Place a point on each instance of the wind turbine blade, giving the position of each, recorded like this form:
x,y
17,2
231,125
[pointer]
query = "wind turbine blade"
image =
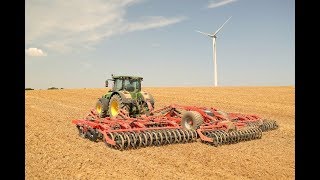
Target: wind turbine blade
x,y
205,33
221,26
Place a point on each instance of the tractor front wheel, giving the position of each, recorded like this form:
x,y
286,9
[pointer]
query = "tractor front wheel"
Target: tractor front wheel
x,y
115,105
102,107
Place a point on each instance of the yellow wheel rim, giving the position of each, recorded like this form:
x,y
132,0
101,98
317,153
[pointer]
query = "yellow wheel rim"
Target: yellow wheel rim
x,y
114,108
99,108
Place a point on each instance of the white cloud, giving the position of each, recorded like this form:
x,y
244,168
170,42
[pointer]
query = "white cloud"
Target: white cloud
x,y
152,22
218,3
61,25
35,52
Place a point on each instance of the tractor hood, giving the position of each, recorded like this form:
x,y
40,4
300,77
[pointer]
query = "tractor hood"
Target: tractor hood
x,y
142,95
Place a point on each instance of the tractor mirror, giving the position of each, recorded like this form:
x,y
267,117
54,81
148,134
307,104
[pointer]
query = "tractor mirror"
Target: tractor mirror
x,y
106,84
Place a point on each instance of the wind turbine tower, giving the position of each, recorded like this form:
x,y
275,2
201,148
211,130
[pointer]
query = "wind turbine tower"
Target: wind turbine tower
x,y
213,36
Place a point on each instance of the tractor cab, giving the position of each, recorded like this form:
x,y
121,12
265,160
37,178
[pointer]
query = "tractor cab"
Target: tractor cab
x,y
126,83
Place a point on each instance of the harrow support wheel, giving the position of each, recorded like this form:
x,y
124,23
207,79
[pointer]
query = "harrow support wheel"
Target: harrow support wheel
x,y
191,120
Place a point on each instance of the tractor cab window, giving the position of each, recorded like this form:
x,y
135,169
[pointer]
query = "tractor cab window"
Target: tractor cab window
x,y
117,85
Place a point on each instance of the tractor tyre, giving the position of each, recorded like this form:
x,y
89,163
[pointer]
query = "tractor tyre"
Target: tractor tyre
x,y
191,120
115,104
102,107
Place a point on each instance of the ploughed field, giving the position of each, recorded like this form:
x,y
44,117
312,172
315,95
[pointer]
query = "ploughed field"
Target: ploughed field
x,y
53,149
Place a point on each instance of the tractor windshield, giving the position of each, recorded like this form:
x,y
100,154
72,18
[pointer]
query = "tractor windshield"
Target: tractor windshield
x,y
132,85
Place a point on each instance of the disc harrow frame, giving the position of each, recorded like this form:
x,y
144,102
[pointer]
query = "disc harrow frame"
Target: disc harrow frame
x,y
212,115
163,128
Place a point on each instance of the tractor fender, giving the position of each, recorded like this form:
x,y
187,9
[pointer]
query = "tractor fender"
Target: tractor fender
x,y
126,97
147,96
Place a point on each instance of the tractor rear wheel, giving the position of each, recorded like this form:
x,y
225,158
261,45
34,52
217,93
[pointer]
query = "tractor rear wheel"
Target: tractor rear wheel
x,y
115,104
191,120
102,107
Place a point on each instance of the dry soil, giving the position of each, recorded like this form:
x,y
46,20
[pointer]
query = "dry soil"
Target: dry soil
x,y
55,151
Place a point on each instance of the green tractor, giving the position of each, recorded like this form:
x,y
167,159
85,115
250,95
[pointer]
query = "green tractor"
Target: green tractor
x,y
125,96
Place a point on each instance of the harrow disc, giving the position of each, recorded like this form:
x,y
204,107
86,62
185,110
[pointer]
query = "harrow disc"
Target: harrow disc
x,y
92,135
81,132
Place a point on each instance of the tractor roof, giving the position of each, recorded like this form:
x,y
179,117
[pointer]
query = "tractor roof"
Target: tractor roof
x,y
127,77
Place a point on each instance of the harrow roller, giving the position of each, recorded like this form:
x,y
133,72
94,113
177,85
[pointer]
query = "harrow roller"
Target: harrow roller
x,y
178,135
144,139
268,125
132,140
265,125
119,140
166,140
221,137
170,137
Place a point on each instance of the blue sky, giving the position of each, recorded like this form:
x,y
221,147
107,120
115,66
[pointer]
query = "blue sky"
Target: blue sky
x,y
80,43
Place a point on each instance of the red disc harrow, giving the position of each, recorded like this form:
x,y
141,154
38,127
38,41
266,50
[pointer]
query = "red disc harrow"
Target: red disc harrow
x,y
173,124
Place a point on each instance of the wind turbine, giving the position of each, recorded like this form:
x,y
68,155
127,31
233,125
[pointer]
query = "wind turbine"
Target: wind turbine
x,y
214,43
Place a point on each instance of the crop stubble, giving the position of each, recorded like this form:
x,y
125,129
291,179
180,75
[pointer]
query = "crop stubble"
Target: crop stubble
x,y
55,151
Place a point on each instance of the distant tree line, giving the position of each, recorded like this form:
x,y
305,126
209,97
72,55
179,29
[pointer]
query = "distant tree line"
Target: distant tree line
x,y
54,88
51,88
